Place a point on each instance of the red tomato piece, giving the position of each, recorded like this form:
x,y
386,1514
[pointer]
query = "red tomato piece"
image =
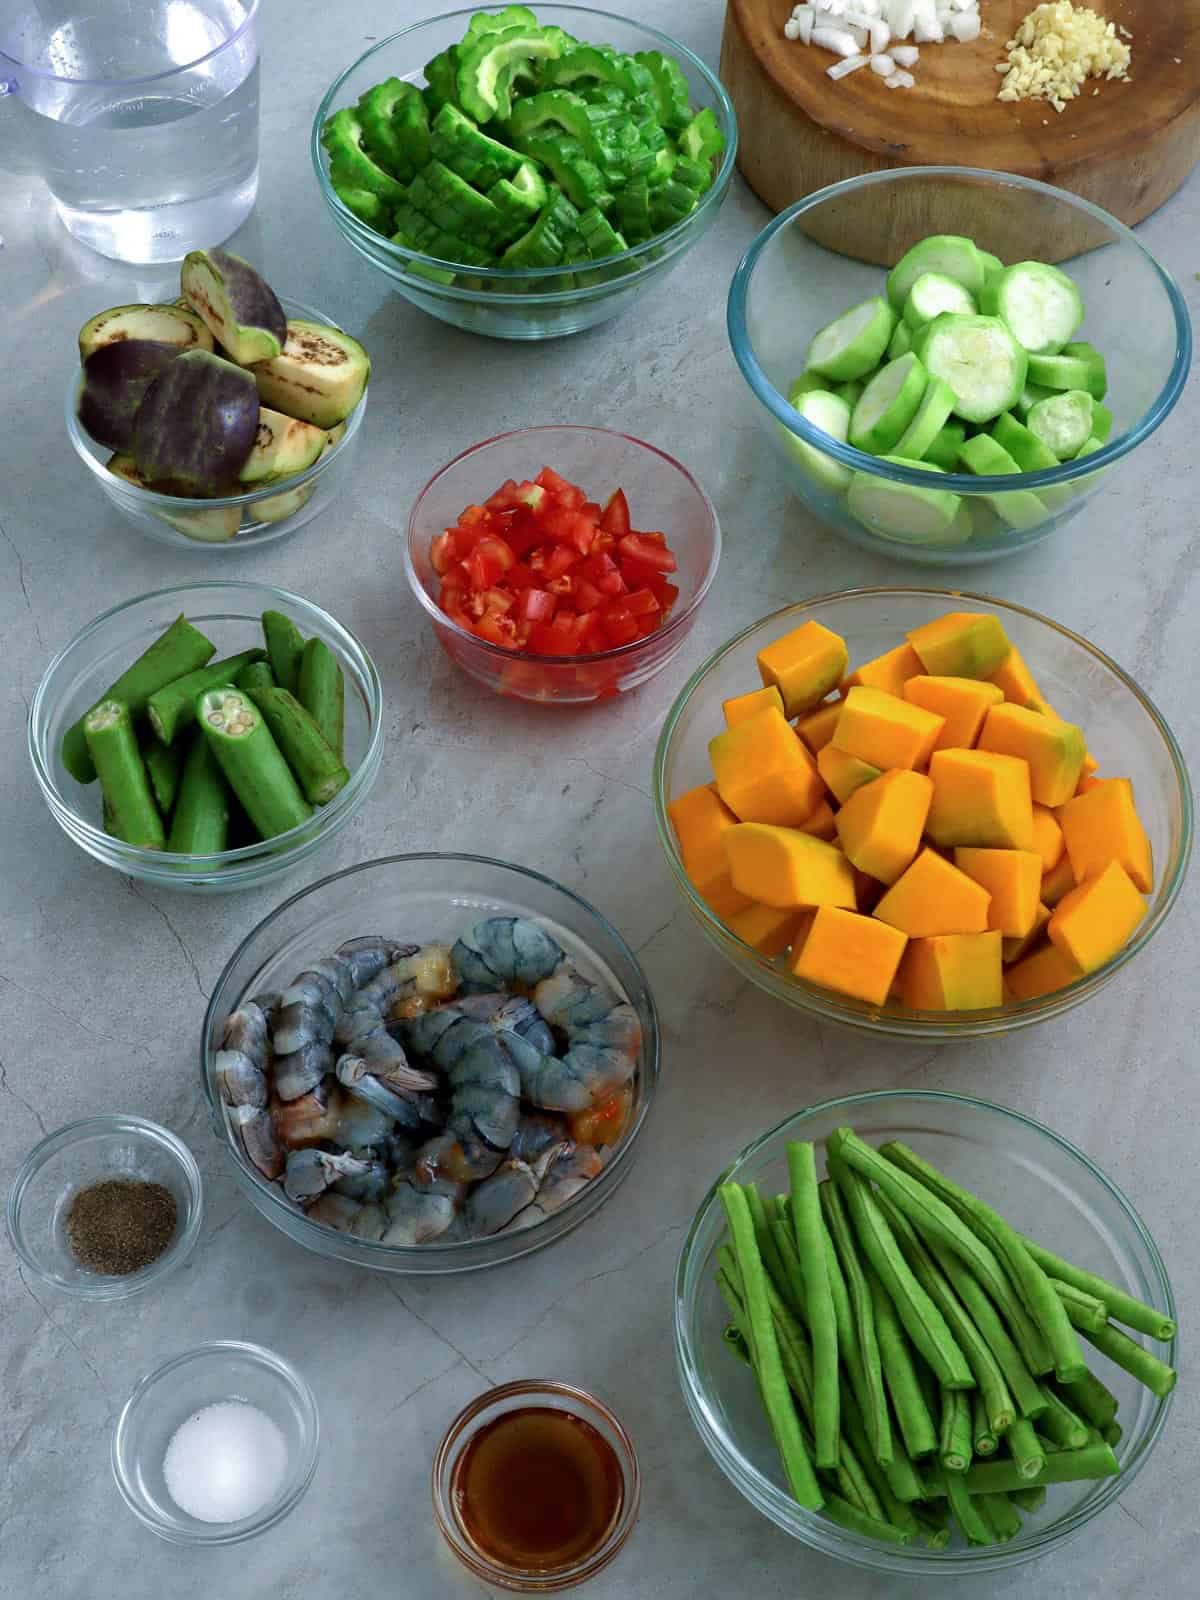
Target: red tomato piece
x,y
591,509
562,587
523,531
646,548
538,605
567,494
667,594
488,562
571,528
643,603
614,518
619,624
603,571
499,630
497,600
587,596
443,550
552,561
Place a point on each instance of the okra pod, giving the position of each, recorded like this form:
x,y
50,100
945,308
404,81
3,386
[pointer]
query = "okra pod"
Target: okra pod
x,y
1122,1307
1025,1448
873,1400
181,648
954,1444
317,766
1134,1358
252,762
163,766
285,646
172,708
256,675
112,746
900,1376
321,690
809,1231
200,824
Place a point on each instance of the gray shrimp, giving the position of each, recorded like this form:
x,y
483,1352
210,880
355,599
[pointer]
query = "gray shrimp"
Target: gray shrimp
x,y
246,1029
334,1210
371,1223
401,1092
504,950
372,1184
571,1170
301,1070
603,1036
241,1062
419,1212
257,1134
311,1171
358,1124
367,956
312,1118
362,1028
479,1060
492,1204
536,1131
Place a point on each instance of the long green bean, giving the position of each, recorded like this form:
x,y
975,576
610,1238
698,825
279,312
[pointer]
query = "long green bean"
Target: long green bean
x,y
954,1448
1021,1382
895,1509
847,1516
900,1375
1025,1448
935,1529
767,1247
1122,1307
1095,1460
874,1405
976,1529
1029,1499
983,1439
1084,1310
1094,1400
1113,1434
792,1286
809,1230
1059,1423
1003,1516
1134,1358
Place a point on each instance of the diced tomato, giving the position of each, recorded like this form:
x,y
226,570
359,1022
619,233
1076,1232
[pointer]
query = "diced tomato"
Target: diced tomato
x,y
443,551
614,518
497,600
489,561
505,497
645,547
537,605
643,603
603,571
552,561
571,528
473,517
667,594
567,494
520,576
587,596
619,624
497,630
563,587
591,510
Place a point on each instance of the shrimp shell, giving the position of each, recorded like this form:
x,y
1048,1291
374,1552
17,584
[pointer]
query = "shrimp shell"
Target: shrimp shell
x,y
311,1171
295,1074
257,1135
504,950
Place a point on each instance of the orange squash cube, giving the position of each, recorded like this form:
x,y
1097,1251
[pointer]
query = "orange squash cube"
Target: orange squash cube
x,y
843,774
1047,837
1043,972
980,798
1013,878
1089,925
700,818
850,954
1015,680
763,771
816,729
783,867
1053,748
881,824
1102,825
963,702
822,824
742,706
1014,949
1060,880
889,672
867,891
804,666
932,897
767,929
961,644
952,972
886,731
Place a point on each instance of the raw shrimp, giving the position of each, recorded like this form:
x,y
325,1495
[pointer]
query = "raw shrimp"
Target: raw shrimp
x,y
257,1135
420,1211
478,1058
311,1118
334,1210
371,1184
492,1204
504,950
536,1131
301,1070
400,1091
310,1172
572,1170
241,1069
366,957
362,1028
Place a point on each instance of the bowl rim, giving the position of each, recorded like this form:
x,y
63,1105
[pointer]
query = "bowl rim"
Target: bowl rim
x,y
118,489
746,1477
461,1253
675,622
954,482
893,1019
246,1527
249,9
112,1123
353,227
274,852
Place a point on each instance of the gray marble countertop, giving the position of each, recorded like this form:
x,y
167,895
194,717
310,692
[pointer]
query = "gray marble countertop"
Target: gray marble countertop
x,y
103,982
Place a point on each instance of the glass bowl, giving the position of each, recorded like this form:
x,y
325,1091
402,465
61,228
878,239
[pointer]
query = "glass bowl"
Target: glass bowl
x,y
230,613
544,302
225,1369
232,521
826,252
93,1151
1044,1186
1125,732
662,495
546,1394
426,897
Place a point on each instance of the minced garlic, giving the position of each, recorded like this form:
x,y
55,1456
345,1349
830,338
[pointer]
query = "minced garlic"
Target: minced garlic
x,y
1056,49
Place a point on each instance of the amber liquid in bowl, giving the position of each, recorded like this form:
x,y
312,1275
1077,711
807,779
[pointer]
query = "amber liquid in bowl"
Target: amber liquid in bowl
x,y
538,1489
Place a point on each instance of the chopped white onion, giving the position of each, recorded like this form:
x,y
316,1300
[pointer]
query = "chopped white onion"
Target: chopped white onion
x,y
905,55
929,32
840,40
862,31
881,36
900,80
966,26
900,15
883,65
848,64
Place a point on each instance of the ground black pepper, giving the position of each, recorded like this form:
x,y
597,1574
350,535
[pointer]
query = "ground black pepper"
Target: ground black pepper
x,y
120,1225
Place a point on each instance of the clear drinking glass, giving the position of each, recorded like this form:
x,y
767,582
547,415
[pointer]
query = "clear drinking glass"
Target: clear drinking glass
x,y
140,115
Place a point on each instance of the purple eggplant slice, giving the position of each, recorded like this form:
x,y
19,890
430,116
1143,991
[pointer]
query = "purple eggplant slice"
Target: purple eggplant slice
x,y
213,526
238,306
196,426
283,447
115,380
168,324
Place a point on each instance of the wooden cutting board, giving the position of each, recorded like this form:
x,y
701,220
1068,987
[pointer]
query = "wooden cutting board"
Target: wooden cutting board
x,y
1126,148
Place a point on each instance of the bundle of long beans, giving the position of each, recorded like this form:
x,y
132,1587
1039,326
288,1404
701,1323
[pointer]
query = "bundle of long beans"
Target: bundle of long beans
x,y
918,1359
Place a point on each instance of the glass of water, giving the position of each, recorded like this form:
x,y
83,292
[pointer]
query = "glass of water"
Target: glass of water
x,y
141,116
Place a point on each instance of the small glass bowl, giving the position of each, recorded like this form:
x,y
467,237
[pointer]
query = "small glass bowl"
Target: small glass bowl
x,y
663,496
832,248
75,1157
542,302
1125,732
1041,1184
231,521
552,1395
230,613
225,1369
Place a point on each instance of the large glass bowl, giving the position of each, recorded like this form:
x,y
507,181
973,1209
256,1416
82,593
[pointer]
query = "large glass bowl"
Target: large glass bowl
x,y
1041,1184
426,898
803,270
1125,733
231,521
230,614
662,496
539,303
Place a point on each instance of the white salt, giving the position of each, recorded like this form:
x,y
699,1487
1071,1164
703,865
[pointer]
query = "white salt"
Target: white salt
x,y
225,1462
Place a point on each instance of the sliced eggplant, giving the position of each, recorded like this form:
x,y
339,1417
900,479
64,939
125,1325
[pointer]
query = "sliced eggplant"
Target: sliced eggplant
x,y
196,426
115,380
170,324
283,447
278,507
318,376
238,305
213,526
336,435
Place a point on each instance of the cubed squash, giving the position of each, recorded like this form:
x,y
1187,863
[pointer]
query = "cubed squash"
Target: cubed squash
x,y
1102,825
886,731
742,706
1091,923
1054,749
805,665
784,867
822,823
1041,973
933,896
952,972
767,929
881,824
1015,680
763,771
1087,783
1013,878
816,729
1047,837
961,644
963,702
867,891
889,672
1015,949
851,954
1060,880
843,774
980,798
700,817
